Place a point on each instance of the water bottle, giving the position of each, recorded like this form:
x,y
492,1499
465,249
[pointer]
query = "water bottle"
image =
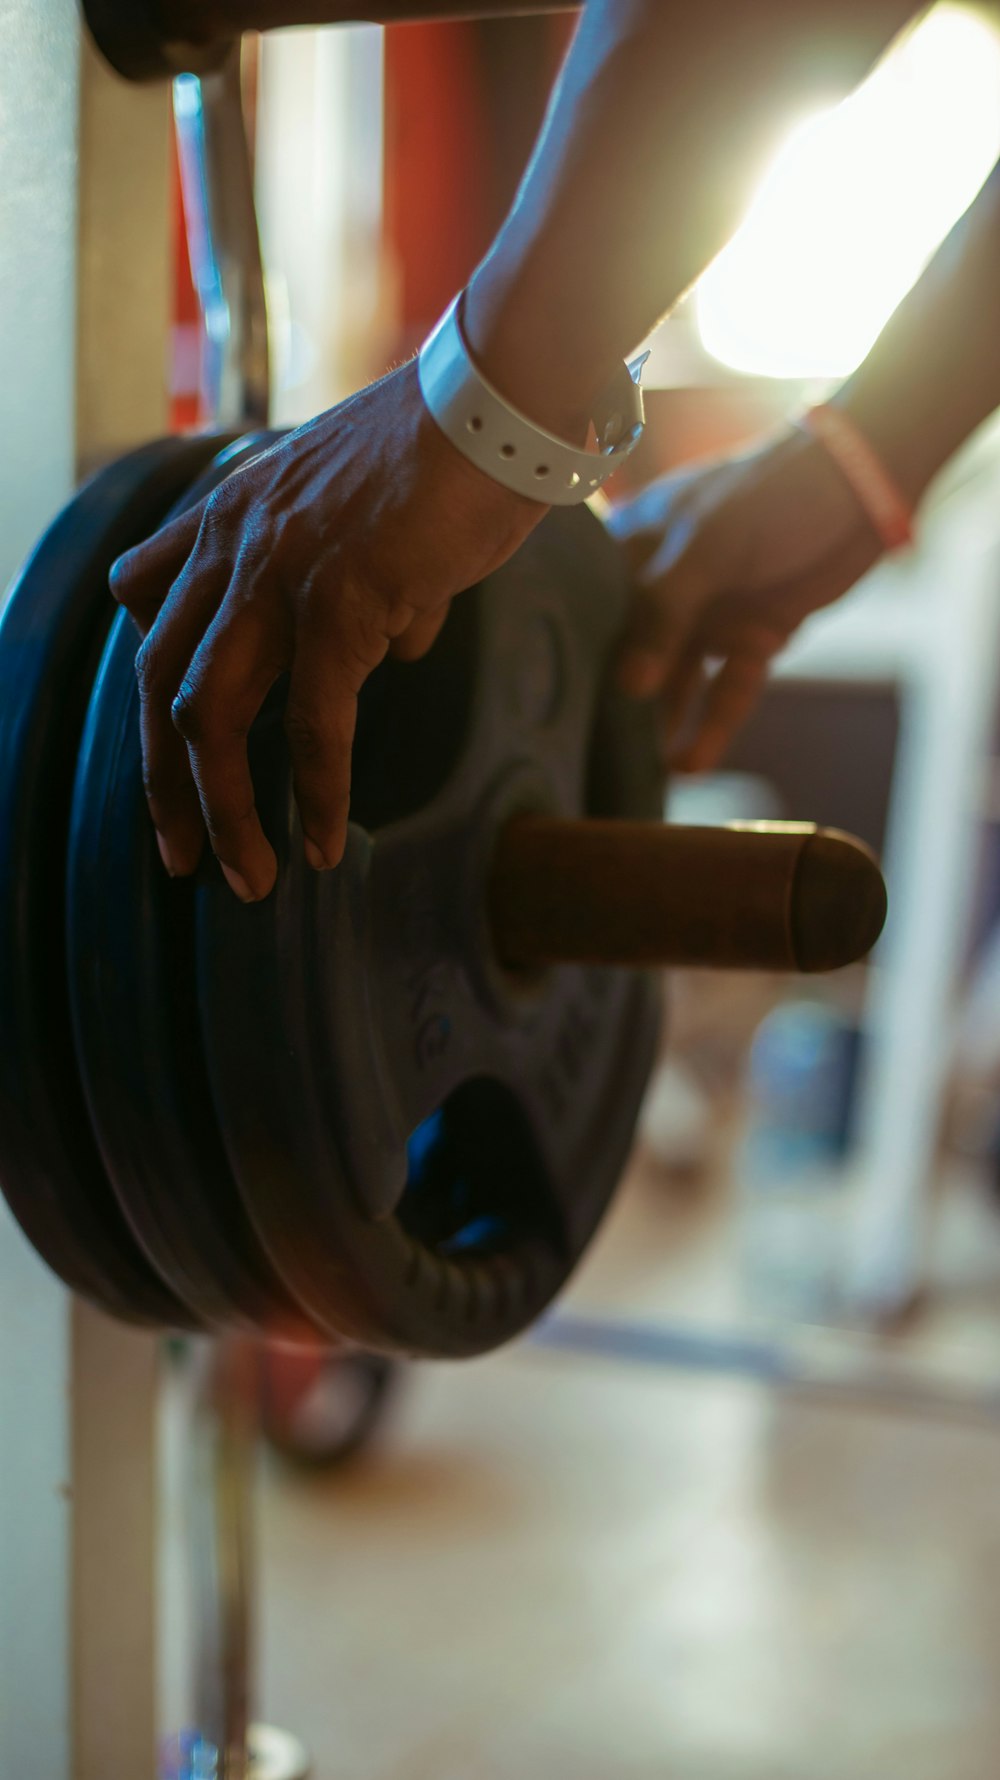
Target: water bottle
x,y
800,1078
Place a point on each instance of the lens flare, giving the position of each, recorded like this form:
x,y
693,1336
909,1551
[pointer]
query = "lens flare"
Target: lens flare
x,y
855,204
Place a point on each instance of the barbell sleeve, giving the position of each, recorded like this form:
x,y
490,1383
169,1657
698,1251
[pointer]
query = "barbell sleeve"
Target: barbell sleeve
x,y
201,19
749,896
156,39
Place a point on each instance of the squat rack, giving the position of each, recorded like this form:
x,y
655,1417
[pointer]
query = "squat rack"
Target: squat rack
x,y
84,216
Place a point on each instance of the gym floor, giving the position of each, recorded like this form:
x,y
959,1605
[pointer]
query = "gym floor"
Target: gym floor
x,y
561,1567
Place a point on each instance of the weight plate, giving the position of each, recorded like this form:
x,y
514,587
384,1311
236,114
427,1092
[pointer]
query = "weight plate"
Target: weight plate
x,y
135,1015
425,1144
54,622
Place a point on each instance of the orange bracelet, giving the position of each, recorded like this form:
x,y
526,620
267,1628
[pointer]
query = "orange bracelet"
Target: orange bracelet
x,y
880,496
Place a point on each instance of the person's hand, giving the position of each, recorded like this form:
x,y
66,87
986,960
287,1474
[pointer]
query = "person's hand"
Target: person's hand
x,y
346,539
729,558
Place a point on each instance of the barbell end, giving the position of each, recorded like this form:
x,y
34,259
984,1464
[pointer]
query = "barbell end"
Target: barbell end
x,y
839,902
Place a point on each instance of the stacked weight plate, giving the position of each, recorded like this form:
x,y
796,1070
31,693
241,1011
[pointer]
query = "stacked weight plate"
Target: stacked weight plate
x,y
53,628
332,1109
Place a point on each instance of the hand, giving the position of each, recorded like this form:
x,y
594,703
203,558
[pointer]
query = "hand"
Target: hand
x,y
346,539
730,557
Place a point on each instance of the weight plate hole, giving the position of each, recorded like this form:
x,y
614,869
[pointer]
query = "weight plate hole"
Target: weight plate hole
x,y
476,1185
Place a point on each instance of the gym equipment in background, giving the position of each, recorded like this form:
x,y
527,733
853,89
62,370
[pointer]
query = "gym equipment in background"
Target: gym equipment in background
x,y
390,1103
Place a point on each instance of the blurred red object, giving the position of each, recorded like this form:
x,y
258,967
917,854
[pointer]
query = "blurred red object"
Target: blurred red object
x,y
463,104
185,329
319,1407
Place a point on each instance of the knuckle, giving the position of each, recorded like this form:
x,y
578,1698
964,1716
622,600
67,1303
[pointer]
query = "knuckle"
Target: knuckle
x,y
147,668
226,824
368,619
216,506
375,618
122,579
310,740
209,541
359,662
189,712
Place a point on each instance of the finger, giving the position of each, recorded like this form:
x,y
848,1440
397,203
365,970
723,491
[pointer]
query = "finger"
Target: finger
x,y
680,696
728,702
232,671
331,663
691,685
648,650
638,539
161,663
732,631
668,600
166,775
141,579
415,641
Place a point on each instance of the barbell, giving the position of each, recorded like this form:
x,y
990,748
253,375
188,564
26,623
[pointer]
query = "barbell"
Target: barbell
x,y
389,1104
155,39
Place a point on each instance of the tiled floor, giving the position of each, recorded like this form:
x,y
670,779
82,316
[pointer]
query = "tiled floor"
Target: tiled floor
x,y
559,1568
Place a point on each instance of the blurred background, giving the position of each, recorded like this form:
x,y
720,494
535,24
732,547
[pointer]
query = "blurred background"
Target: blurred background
x,y
732,1511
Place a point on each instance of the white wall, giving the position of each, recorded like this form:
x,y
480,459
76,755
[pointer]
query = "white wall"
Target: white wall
x,y
319,194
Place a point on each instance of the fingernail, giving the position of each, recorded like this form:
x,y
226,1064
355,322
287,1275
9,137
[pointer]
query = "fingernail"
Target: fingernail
x,y
316,859
237,884
640,674
165,854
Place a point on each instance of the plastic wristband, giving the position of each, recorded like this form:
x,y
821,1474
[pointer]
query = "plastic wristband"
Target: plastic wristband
x,y
878,493
508,446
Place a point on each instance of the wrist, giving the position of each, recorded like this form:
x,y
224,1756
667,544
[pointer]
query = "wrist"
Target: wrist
x,y
887,507
517,338
904,438
504,440
464,479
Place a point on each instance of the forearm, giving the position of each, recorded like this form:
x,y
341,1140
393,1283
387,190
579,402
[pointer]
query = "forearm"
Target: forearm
x,y
663,119
934,372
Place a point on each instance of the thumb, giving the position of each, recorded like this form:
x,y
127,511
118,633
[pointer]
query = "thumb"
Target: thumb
x,y
729,700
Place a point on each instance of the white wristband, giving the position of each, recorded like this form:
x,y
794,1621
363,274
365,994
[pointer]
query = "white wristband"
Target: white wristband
x,y
505,443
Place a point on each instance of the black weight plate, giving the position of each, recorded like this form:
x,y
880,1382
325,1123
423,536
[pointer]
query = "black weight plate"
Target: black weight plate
x,y
54,623
133,995
425,1146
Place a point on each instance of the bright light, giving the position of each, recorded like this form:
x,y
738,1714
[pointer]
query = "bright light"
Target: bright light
x,y
855,205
